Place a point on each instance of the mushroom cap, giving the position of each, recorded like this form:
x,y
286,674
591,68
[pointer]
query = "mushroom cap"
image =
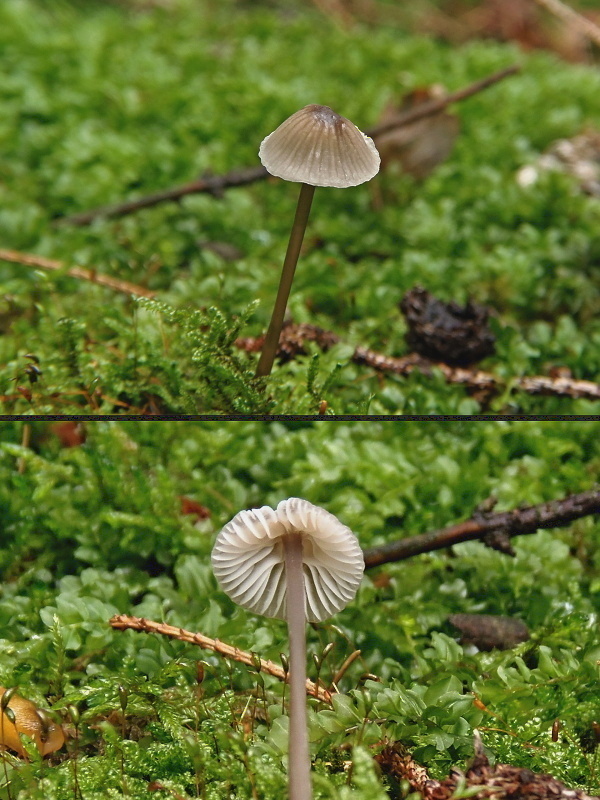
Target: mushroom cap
x,y
248,559
317,146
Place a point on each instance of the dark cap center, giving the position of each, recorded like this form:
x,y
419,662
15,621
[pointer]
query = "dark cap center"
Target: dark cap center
x,y
326,115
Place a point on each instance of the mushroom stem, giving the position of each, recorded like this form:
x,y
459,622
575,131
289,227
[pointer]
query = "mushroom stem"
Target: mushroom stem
x,y
298,756
269,348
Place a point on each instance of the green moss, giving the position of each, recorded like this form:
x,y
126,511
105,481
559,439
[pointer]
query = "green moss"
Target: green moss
x,y
98,529
103,103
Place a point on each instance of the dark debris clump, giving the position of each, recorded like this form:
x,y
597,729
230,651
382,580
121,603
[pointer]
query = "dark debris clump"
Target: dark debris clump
x,y
448,332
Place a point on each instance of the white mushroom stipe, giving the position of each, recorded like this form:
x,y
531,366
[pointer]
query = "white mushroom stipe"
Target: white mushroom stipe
x,y
248,559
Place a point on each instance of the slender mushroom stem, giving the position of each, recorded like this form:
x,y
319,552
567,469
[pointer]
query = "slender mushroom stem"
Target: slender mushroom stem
x,y
269,349
299,756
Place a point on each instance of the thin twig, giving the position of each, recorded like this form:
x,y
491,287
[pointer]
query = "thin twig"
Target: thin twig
x,y
344,668
126,622
583,24
32,260
214,185
435,106
25,442
395,759
293,337
240,177
476,379
518,522
335,10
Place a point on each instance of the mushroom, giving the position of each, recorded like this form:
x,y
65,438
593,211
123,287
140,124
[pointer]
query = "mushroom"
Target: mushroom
x,y
314,147
296,562
21,716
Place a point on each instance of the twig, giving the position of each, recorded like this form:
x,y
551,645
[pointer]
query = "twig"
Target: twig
x,y
25,442
240,177
335,10
518,522
476,379
344,668
501,781
214,185
435,106
31,260
396,760
293,336
125,622
583,24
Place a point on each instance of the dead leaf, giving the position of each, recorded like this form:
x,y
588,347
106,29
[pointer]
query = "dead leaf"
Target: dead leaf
x,y
422,145
189,506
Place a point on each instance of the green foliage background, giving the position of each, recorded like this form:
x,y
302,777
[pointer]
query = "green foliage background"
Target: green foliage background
x,y
108,101
95,530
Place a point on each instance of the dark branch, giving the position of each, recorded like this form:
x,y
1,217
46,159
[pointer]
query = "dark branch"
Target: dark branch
x,y
518,522
215,184
435,106
240,177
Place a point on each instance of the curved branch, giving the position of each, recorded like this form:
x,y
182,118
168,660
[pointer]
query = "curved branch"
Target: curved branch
x,y
39,262
483,525
122,622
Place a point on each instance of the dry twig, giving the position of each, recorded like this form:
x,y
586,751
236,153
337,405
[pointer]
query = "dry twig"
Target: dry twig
x,y
39,262
486,525
567,14
293,336
476,379
481,780
216,184
123,622
395,759
439,104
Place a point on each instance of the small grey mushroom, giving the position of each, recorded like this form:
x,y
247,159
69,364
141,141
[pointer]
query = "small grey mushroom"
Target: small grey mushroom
x,y
317,146
296,562
314,147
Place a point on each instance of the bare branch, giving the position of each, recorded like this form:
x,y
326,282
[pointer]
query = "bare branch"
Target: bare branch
x,y
518,522
212,185
500,781
240,177
395,759
476,379
568,15
123,622
435,106
294,336
32,260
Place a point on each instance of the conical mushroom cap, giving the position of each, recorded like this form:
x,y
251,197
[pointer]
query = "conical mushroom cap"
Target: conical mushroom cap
x,y
248,559
317,146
